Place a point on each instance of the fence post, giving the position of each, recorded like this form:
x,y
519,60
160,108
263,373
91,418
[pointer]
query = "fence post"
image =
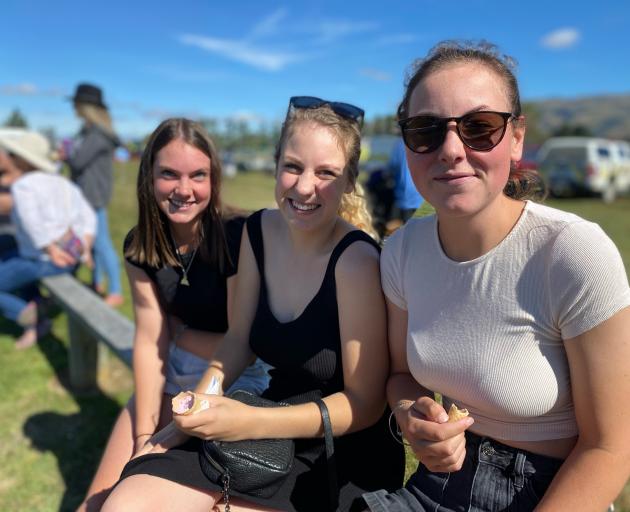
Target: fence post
x,y
82,357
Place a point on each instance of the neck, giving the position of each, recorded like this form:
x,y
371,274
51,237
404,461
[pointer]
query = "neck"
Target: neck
x,y
312,242
184,236
468,238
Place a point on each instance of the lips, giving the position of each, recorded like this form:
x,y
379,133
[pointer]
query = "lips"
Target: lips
x,y
181,204
303,207
454,178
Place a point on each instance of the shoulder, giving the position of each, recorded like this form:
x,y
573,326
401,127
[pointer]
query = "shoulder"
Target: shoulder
x,y
233,227
569,234
413,235
361,255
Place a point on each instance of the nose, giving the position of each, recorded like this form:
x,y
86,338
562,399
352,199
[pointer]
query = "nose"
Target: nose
x,y
305,183
452,149
183,187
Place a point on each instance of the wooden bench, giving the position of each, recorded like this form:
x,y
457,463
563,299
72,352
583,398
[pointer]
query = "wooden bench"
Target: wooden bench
x,y
90,320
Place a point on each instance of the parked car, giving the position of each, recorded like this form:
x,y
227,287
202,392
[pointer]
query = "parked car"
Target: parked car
x,y
574,165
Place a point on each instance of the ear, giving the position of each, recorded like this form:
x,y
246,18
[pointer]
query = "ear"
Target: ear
x,y
518,138
349,187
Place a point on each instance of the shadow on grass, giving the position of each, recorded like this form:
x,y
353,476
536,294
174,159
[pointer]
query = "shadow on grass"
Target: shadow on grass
x,y
77,440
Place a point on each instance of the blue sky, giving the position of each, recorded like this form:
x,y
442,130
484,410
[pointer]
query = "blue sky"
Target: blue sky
x,y
245,59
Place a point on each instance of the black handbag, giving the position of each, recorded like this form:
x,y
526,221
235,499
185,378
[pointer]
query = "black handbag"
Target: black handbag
x,y
256,467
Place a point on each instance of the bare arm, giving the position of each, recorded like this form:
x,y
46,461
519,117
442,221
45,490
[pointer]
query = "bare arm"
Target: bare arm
x,y
365,365
6,203
150,350
439,445
599,465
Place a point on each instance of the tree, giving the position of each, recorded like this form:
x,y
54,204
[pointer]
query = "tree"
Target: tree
x,y
16,120
576,130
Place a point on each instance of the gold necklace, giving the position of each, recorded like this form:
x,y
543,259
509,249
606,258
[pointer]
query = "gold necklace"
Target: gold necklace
x,y
185,268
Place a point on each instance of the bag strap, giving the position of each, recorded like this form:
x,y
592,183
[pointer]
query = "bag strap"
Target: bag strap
x,y
333,490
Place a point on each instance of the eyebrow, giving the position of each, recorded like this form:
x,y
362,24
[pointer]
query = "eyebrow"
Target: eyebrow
x,y
478,108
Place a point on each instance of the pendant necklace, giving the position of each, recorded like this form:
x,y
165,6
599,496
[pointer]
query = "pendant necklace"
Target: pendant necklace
x,y
185,268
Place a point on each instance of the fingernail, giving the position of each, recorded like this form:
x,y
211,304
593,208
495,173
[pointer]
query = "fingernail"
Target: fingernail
x,y
442,418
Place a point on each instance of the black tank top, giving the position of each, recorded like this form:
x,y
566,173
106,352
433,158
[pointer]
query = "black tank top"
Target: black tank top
x,y
305,352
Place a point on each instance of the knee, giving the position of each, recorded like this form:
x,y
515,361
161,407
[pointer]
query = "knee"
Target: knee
x,y
124,498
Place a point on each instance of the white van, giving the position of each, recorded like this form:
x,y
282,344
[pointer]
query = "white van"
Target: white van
x,y
574,165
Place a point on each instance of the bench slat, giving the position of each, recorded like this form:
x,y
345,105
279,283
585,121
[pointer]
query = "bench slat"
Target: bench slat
x,y
88,310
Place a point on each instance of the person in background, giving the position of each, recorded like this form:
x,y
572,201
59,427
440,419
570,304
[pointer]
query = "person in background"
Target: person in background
x,y
181,259
90,159
54,226
407,199
8,244
510,309
324,334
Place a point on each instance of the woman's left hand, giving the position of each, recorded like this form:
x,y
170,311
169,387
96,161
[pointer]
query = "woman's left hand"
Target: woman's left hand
x,y
225,419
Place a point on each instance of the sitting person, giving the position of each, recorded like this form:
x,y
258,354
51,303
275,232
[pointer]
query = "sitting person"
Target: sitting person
x,y
310,304
54,226
515,311
181,260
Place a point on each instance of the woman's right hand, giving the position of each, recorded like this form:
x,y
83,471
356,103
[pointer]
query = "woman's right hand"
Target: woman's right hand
x,y
161,441
436,443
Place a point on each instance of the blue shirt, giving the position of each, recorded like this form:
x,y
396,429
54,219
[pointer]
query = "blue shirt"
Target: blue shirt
x,y
406,196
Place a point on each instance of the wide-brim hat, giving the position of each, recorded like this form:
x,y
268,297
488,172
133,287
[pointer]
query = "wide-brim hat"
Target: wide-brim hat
x,y
88,93
31,146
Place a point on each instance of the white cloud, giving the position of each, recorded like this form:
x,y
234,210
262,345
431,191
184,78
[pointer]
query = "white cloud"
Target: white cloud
x,y
329,31
29,89
561,38
395,39
268,25
375,74
242,51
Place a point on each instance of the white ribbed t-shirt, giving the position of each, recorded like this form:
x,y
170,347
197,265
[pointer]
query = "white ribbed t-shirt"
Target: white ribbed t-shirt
x,y
488,333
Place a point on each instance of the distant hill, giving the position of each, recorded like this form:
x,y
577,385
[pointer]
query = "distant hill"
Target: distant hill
x,y
604,116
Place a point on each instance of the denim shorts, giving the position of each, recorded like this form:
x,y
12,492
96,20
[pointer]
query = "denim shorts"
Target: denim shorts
x,y
184,370
494,477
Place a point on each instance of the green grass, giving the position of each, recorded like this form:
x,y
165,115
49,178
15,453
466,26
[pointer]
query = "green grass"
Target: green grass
x,y
51,438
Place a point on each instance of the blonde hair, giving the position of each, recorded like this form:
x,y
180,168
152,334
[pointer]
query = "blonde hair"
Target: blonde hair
x,y
353,207
95,115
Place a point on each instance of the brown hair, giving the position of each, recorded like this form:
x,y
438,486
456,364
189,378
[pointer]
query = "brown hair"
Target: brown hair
x,y
151,241
353,207
522,183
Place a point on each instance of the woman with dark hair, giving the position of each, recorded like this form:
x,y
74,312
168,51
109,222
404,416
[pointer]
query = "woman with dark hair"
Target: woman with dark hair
x,y
90,159
515,311
181,260
324,335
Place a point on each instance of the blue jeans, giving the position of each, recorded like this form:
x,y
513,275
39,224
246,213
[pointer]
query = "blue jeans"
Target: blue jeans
x,y
105,257
494,477
184,370
18,273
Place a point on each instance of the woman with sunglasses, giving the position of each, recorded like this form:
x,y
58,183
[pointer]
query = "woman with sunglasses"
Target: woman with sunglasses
x,y
310,304
181,260
512,310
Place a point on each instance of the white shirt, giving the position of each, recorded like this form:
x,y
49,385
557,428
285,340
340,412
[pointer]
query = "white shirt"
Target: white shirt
x,y
45,206
489,333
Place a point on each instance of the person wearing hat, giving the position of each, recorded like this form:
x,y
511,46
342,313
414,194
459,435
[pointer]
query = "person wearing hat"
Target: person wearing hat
x,y
54,225
90,159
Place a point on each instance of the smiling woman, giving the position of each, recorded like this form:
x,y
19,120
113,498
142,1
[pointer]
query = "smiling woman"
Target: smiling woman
x,y
181,260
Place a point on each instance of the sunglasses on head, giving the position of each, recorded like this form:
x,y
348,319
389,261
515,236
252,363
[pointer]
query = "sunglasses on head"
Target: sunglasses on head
x,y
342,109
480,131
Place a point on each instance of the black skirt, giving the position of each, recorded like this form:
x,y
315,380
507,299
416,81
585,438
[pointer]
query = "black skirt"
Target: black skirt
x,y
366,461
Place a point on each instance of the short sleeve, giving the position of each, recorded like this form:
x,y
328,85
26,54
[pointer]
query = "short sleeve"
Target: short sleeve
x,y
587,279
233,234
391,269
126,245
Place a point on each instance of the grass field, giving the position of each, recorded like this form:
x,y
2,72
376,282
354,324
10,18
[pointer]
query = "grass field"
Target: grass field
x,y
51,438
